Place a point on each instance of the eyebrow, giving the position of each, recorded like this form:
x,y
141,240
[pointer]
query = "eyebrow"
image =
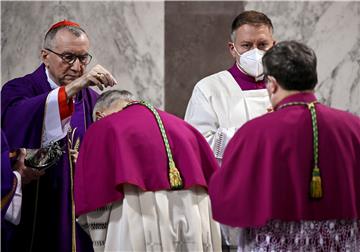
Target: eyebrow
x,y
264,40
67,52
245,42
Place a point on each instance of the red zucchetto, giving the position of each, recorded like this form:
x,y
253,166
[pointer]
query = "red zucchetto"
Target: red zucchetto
x,y
64,23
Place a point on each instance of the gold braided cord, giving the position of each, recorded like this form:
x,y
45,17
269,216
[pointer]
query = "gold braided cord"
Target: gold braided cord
x,y
174,174
316,191
71,164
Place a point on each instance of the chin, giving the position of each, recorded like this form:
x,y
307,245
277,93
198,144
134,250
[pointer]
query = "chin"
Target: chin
x,y
68,80
65,82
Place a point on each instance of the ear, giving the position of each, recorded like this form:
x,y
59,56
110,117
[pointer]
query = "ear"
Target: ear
x,y
231,47
272,84
99,115
44,57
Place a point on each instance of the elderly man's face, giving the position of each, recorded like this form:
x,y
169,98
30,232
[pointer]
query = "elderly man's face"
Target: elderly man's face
x,y
248,37
61,72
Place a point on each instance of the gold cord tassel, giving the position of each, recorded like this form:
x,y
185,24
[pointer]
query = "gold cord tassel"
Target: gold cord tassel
x,y
174,176
315,186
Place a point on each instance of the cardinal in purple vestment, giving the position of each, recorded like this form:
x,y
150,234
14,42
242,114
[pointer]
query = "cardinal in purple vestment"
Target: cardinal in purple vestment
x,y
53,105
290,178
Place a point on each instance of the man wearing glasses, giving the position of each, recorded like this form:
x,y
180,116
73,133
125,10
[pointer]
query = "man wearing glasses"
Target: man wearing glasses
x,y
53,106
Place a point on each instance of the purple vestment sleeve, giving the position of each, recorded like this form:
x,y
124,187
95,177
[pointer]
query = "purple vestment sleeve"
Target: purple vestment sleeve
x,y
22,109
23,106
8,181
267,166
7,176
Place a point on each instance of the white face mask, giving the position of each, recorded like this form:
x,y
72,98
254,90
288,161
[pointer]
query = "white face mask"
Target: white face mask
x,y
250,62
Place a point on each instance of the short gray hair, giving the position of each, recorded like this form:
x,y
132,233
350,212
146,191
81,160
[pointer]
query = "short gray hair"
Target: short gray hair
x,y
49,37
108,98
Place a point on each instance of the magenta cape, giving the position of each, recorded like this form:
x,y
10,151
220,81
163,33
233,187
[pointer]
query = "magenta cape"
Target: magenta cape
x,y
127,147
266,169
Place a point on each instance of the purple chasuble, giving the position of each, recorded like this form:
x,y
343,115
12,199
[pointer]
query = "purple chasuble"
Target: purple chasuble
x,y
7,191
127,147
267,167
23,106
245,82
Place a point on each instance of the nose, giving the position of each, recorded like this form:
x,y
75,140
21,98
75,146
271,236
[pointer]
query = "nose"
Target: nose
x,y
77,66
253,47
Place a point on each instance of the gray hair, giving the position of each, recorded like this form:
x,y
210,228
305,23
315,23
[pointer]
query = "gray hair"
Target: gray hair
x,y
108,98
49,37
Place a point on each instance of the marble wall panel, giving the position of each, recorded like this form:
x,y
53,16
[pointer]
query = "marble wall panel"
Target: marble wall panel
x,y
196,37
127,38
153,45
332,29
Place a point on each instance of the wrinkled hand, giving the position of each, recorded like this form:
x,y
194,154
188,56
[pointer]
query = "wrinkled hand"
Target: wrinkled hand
x,y
97,76
27,174
74,155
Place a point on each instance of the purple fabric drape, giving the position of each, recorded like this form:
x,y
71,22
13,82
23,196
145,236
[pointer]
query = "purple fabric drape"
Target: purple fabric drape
x,y
7,180
127,147
267,166
7,175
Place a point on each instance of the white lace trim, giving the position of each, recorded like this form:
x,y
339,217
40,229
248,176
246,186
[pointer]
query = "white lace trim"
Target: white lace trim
x,y
329,235
222,138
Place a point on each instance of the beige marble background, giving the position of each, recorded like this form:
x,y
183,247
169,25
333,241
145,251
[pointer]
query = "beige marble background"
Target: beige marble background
x,y
199,32
196,37
127,38
332,29
159,50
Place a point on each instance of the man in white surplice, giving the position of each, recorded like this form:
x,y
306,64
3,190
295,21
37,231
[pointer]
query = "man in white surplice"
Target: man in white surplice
x,y
224,101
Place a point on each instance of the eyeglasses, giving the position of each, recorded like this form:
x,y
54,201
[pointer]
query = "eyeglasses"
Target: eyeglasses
x,y
70,58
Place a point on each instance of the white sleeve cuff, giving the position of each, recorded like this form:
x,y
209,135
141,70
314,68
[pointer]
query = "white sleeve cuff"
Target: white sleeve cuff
x,y
13,213
54,128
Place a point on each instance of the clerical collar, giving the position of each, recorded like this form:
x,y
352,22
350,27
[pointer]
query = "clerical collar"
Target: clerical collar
x,y
305,97
245,82
53,85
